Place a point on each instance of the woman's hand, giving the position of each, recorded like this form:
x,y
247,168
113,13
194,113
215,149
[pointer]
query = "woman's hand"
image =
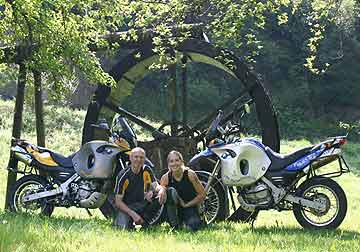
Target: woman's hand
x,y
162,196
182,203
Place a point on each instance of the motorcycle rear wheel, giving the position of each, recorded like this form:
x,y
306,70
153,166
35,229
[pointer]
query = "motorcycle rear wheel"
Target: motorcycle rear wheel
x,y
327,191
27,185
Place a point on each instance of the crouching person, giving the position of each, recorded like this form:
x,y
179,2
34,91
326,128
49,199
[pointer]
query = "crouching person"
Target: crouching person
x,y
184,193
133,196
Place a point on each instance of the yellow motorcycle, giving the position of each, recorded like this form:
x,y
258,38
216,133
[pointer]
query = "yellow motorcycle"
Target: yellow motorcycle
x,y
84,179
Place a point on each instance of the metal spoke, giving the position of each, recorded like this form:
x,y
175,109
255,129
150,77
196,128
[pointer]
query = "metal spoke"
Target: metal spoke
x,y
321,218
211,204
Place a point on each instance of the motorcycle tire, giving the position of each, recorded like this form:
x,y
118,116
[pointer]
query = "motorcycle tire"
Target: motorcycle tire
x,y
303,215
107,209
155,217
215,207
19,187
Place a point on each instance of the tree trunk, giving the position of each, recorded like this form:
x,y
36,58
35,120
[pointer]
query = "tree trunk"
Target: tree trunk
x,y
173,98
309,94
184,91
39,111
17,125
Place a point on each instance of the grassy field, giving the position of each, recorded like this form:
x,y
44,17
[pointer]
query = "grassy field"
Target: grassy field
x,y
73,230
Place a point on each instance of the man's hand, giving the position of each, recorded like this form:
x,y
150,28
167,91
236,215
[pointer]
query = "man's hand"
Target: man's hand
x,y
149,195
162,195
137,218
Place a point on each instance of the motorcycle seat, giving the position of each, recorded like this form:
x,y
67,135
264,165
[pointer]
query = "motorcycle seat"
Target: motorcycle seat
x,y
65,162
61,160
279,161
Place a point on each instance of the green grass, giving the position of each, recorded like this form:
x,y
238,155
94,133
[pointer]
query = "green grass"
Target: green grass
x,y
73,230
66,234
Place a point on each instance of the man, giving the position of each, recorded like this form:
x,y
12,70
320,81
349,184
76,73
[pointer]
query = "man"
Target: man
x,y
133,194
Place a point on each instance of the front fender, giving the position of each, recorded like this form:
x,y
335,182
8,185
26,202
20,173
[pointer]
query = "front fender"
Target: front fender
x,y
195,161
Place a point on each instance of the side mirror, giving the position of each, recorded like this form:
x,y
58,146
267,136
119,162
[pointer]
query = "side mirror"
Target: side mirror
x,y
101,125
247,108
101,130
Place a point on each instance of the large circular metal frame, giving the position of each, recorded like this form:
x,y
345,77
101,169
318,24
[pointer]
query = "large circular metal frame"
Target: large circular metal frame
x,y
136,66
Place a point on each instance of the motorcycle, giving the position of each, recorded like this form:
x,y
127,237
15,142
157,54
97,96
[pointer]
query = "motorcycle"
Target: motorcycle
x,y
84,179
265,180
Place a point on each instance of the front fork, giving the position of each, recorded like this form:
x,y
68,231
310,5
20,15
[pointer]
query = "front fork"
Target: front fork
x,y
212,176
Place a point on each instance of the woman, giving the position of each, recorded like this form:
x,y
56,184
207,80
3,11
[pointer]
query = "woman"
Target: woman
x,y
184,193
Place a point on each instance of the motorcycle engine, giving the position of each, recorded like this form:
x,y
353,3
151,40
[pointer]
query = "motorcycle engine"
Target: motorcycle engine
x,y
83,189
87,195
258,194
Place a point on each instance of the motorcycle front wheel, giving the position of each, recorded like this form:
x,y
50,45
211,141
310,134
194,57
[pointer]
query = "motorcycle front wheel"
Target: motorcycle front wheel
x,y
214,207
323,190
27,185
154,216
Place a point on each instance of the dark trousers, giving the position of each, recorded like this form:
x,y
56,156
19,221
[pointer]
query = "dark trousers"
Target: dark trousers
x,y
177,215
145,209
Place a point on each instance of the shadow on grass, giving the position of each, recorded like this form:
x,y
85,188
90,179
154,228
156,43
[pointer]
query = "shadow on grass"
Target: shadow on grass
x,y
211,234
339,234
68,221
55,221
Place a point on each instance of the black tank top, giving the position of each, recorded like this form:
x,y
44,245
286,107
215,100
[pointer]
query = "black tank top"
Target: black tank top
x,y
184,187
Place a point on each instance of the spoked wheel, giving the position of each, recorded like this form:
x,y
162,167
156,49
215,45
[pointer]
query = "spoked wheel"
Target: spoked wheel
x,y
214,206
154,214
331,195
173,128
25,186
132,70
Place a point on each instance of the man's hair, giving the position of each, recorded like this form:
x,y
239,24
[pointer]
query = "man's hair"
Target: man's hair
x,y
136,149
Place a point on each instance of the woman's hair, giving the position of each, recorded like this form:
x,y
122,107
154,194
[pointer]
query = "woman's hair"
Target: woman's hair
x,y
174,152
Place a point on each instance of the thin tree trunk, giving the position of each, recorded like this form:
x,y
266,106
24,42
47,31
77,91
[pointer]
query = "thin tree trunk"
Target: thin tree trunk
x,y
184,91
173,98
309,94
39,111
17,125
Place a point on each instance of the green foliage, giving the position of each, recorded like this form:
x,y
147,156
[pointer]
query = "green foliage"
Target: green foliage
x,y
58,35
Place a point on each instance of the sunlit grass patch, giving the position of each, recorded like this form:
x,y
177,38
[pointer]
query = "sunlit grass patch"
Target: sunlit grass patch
x,y
74,230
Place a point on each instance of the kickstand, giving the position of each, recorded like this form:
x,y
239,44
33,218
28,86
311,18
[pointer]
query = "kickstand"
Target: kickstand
x,y
88,211
252,224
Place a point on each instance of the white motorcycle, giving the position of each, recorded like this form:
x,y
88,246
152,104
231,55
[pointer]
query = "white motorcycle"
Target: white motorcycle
x,y
265,180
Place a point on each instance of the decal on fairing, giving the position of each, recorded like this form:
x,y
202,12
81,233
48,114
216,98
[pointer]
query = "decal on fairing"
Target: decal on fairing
x,y
256,142
225,155
233,156
304,161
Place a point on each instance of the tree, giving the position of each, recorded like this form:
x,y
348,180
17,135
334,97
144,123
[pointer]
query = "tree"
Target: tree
x,y
56,37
